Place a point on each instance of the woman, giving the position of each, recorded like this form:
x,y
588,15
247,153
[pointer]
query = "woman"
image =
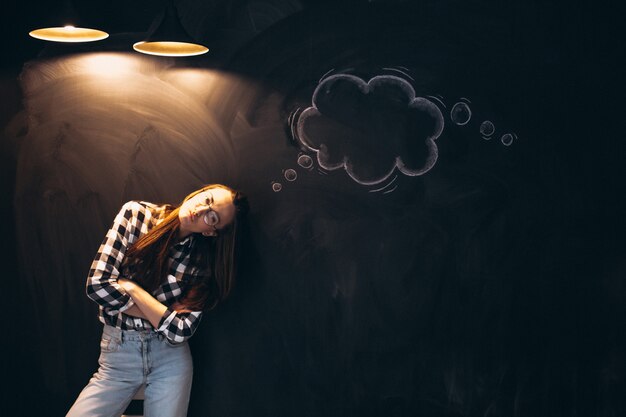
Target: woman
x,y
157,270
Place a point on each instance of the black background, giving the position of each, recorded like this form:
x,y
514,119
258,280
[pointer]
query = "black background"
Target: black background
x,y
491,286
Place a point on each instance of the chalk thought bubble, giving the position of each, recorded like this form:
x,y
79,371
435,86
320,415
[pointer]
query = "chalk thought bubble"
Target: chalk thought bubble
x,y
276,186
371,128
461,113
290,174
487,129
305,161
507,139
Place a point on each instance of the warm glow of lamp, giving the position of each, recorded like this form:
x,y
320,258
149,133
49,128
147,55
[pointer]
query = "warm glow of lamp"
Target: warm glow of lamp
x,y
168,48
168,37
69,34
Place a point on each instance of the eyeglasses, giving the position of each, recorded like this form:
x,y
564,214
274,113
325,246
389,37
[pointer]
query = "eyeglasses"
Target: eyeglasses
x,y
211,218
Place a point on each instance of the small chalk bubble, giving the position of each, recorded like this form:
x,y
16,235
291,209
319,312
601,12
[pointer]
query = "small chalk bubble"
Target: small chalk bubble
x,y
305,161
460,113
487,129
276,187
507,139
291,174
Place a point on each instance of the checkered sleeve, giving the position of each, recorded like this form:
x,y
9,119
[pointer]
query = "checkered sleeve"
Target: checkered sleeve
x,y
102,286
178,327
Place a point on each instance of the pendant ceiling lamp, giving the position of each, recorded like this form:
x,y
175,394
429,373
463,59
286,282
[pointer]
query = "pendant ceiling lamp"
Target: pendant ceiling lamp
x,y
168,37
68,33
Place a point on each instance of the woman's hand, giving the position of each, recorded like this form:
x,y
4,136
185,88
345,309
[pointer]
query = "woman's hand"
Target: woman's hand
x,y
127,285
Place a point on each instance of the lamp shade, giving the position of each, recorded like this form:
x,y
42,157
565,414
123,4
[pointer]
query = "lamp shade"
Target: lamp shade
x,y
64,26
68,34
168,37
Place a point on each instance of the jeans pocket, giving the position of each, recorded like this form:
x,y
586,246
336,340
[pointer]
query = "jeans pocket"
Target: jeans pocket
x,y
109,344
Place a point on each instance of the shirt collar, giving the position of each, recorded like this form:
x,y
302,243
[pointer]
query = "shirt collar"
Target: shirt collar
x,y
186,242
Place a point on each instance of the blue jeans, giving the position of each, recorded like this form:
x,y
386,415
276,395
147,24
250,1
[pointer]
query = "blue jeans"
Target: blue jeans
x,y
130,359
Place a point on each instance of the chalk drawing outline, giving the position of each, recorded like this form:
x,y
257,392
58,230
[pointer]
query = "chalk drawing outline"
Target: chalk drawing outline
x,y
385,186
365,87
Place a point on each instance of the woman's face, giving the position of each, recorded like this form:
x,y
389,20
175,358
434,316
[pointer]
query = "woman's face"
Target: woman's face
x,y
207,212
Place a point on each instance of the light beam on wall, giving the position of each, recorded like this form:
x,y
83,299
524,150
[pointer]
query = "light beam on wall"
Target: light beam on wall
x,y
168,37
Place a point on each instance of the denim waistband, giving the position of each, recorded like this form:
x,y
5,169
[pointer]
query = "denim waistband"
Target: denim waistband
x,y
120,334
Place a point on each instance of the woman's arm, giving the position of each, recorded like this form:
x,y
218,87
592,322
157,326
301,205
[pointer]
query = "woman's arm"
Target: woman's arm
x,y
151,308
134,311
102,286
176,326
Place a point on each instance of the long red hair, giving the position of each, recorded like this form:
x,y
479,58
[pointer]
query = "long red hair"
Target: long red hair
x,y
212,258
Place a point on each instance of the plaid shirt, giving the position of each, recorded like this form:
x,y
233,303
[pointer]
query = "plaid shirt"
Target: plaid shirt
x,y
134,220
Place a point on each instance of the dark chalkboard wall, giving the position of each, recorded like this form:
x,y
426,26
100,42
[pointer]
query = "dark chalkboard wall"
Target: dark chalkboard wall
x,y
436,224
